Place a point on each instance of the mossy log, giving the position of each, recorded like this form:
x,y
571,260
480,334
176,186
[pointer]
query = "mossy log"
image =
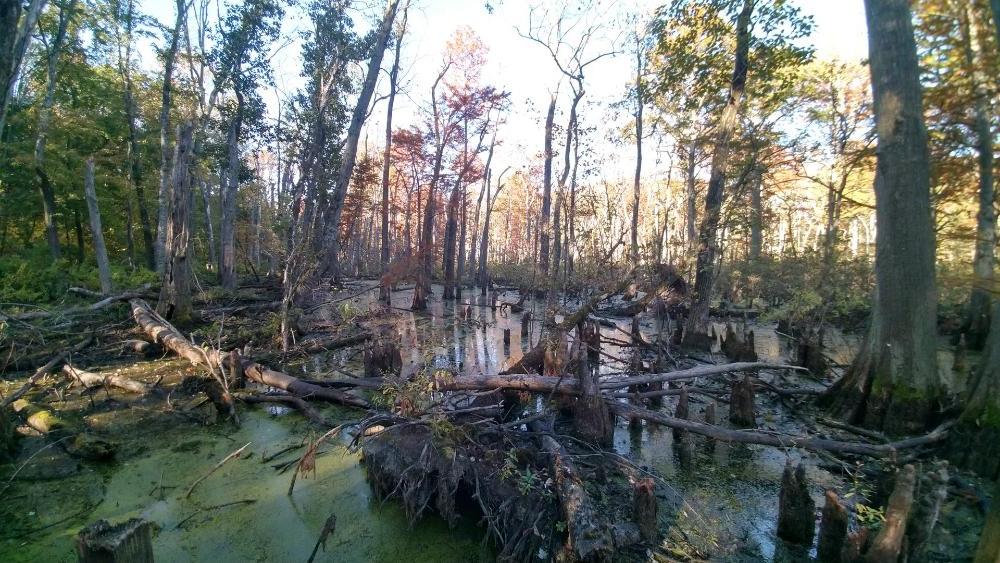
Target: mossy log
x,y
74,439
90,379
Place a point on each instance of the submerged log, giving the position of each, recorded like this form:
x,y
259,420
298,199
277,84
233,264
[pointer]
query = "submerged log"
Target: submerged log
x,y
796,509
41,372
75,440
890,450
832,529
742,410
128,542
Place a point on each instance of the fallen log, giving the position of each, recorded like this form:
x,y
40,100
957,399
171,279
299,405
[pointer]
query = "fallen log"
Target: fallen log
x,y
90,379
297,403
169,337
889,450
888,543
700,371
42,372
83,309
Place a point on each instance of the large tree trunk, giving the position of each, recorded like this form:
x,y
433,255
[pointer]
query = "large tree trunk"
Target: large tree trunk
x,y
175,291
696,328
756,216
230,191
44,120
209,228
100,250
13,46
690,216
977,321
166,152
893,384
350,152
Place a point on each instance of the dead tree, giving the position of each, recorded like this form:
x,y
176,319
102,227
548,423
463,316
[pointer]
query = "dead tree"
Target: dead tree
x,y
796,509
166,152
175,291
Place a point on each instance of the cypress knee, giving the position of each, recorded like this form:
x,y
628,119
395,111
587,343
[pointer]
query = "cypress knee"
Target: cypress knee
x,y
796,509
741,404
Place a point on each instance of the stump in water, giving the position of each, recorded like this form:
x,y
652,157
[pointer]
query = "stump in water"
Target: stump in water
x,y
525,324
644,509
809,353
591,418
832,529
796,509
737,348
682,410
741,404
590,336
382,355
710,413
8,436
506,337
128,542
685,450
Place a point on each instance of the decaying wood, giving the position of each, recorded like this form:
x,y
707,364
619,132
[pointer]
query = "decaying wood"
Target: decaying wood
x,y
83,309
90,379
692,373
163,333
128,542
832,529
796,509
932,491
644,509
297,403
888,543
587,538
889,451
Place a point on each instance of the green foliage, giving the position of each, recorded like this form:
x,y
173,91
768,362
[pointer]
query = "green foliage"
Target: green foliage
x,y
34,278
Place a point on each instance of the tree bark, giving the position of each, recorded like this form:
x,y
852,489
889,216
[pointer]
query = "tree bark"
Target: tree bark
x,y
230,192
209,228
45,187
636,184
975,441
543,253
893,384
175,291
166,152
15,43
696,327
350,151
100,250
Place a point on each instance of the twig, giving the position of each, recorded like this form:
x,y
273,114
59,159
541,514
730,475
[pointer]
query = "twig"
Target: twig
x,y
215,507
214,469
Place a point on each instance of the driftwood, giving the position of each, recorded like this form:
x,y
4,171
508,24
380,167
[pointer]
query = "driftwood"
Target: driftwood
x,y
889,451
90,379
169,337
128,542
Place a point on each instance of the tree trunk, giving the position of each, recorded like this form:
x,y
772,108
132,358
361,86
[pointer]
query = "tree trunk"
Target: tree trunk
x,y
756,216
133,154
350,151
101,251
543,253
636,184
175,291
977,320
45,187
696,328
14,46
387,153
425,254
230,191
893,384
166,152
209,228
975,441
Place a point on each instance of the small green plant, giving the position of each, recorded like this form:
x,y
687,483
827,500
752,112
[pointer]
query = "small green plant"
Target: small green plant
x,y
868,516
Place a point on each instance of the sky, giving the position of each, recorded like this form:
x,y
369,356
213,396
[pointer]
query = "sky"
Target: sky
x,y
525,69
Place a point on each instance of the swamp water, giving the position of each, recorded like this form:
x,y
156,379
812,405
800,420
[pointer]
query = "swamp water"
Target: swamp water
x,y
242,512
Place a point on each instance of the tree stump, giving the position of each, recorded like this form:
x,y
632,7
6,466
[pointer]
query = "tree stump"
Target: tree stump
x,y
796,509
8,436
832,529
932,492
739,348
591,418
382,356
682,410
809,353
685,450
710,413
525,324
741,404
644,509
128,542
590,335
888,544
